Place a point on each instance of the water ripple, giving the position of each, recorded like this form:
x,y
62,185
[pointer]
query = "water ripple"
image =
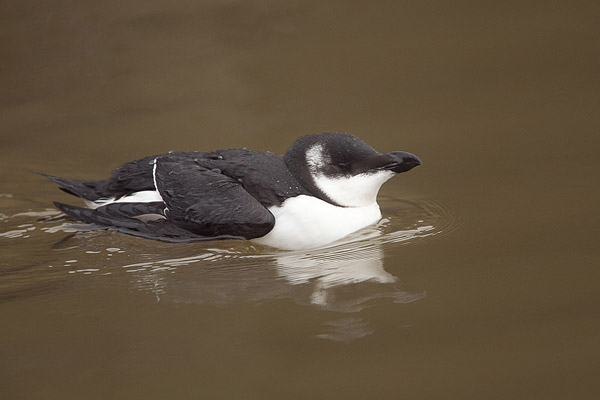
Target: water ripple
x,y
346,276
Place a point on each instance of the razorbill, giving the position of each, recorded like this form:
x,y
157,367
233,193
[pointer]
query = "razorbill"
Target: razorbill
x,y
324,188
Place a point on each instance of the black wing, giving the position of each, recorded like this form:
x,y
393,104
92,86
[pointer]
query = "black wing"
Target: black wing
x,y
245,166
199,204
207,202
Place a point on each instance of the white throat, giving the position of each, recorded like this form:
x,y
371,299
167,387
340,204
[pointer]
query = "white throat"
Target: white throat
x,y
348,191
354,191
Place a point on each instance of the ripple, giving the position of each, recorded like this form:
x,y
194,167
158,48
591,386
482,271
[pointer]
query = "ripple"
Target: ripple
x,y
403,215
345,276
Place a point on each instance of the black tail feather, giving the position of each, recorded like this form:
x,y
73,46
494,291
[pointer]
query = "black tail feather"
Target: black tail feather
x,y
84,189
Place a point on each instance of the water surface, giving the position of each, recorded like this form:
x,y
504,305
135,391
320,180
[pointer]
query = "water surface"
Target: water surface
x,y
480,281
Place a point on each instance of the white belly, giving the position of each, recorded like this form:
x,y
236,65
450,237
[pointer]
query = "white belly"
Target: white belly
x,y
305,222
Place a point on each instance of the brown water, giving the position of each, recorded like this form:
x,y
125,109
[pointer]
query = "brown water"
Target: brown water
x,y
482,281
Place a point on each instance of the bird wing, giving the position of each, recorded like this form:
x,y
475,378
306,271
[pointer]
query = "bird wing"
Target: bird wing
x,y
206,202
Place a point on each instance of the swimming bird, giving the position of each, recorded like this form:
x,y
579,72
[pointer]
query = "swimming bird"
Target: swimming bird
x,y
324,188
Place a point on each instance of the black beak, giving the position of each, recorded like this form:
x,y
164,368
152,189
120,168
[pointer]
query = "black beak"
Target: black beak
x,y
403,161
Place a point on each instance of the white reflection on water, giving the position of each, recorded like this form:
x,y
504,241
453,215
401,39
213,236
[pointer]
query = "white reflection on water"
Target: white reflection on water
x,y
345,278
314,277
357,260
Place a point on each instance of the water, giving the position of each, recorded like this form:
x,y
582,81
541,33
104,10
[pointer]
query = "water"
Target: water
x,y
480,282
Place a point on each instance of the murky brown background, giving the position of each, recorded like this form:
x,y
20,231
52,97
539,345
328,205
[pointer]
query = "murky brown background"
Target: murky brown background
x,y
482,282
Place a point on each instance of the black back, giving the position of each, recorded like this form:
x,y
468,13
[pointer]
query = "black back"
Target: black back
x,y
263,175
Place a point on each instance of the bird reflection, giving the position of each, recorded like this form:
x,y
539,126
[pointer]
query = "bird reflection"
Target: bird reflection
x,y
344,278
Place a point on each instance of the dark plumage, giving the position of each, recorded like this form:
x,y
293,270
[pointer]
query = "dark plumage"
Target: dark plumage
x,y
222,194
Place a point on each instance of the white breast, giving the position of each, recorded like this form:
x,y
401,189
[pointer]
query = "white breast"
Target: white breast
x,y
304,222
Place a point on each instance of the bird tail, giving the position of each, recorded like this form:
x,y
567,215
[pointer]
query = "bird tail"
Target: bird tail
x,y
85,189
